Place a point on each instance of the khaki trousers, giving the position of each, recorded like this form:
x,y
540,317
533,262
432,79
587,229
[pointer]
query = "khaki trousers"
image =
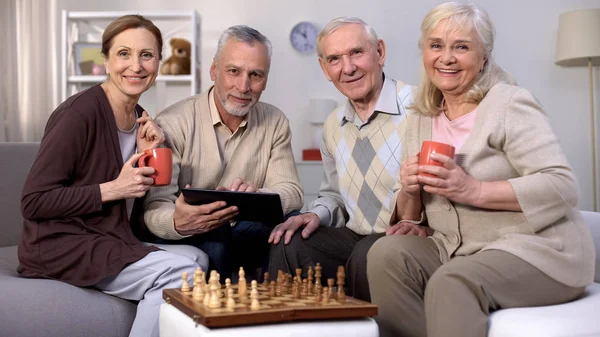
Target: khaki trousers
x,y
418,296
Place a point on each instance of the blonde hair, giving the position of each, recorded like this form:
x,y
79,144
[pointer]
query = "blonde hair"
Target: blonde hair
x,y
429,97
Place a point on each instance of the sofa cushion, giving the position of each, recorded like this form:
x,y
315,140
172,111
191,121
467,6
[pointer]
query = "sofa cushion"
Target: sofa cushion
x,y
17,159
573,319
39,307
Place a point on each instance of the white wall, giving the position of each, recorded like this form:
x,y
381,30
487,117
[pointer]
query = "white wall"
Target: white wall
x,y
526,34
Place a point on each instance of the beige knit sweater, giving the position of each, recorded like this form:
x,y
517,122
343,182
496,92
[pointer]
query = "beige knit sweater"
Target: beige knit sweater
x,y
512,140
264,157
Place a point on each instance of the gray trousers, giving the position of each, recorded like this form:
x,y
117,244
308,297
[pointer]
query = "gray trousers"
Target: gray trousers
x,y
145,279
331,247
418,296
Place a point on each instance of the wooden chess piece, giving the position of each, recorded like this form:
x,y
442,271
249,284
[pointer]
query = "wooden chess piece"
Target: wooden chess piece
x,y
185,286
214,301
341,275
230,300
299,274
310,279
295,291
272,290
206,300
266,280
325,298
318,269
304,292
318,295
242,283
197,275
227,285
254,305
198,292
330,284
212,277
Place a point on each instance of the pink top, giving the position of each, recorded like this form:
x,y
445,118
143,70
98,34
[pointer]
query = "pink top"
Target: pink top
x,y
453,132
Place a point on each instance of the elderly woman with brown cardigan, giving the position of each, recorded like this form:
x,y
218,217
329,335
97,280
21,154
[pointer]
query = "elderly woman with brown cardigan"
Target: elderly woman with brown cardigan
x,y
503,228
80,200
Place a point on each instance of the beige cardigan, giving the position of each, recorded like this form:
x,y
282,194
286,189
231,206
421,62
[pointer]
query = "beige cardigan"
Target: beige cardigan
x,y
512,140
264,157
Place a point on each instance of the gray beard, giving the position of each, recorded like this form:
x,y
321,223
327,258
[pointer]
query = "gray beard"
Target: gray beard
x,y
234,110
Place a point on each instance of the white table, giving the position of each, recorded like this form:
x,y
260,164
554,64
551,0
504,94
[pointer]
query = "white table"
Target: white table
x,y
174,323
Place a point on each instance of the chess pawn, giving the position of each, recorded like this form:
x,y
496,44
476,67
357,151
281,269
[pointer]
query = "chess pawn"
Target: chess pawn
x,y
304,292
214,301
325,298
197,275
198,293
299,274
213,276
318,295
254,305
206,300
266,280
230,300
272,290
185,286
227,285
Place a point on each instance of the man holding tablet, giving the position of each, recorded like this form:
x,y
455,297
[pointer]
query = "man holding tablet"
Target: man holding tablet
x,y
225,139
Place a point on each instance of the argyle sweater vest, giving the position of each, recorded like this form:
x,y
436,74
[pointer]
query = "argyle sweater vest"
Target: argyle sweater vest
x,y
368,163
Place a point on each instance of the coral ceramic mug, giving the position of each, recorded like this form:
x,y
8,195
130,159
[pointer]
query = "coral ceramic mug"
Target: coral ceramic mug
x,y
430,147
162,161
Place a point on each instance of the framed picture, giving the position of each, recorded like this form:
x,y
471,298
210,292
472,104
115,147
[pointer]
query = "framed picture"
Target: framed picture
x,y
88,58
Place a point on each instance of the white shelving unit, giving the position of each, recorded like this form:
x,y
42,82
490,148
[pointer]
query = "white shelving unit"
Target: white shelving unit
x,y
87,27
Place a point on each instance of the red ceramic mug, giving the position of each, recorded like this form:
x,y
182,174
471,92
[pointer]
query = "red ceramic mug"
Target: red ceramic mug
x,y
162,161
430,147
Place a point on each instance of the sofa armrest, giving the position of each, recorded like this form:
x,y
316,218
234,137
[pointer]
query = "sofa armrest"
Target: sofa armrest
x,y
593,220
17,159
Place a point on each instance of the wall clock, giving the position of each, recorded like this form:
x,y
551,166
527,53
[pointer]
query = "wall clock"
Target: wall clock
x,y
304,37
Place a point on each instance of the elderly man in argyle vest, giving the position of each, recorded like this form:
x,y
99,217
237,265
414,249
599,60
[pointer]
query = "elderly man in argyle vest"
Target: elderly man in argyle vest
x,y
361,156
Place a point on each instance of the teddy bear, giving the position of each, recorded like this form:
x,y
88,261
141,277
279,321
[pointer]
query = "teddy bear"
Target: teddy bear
x,y
179,63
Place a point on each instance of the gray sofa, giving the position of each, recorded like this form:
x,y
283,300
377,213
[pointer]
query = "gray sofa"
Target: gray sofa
x,y
35,307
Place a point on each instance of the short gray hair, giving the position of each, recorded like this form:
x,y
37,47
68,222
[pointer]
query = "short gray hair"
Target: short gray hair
x,y
429,97
336,23
243,33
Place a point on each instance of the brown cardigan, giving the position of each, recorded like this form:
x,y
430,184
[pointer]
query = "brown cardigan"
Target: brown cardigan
x,y
68,234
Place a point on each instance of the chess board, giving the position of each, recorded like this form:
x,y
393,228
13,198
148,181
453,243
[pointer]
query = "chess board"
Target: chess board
x,y
273,309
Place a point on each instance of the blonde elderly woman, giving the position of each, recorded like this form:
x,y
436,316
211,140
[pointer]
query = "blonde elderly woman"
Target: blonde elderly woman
x,y
503,228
